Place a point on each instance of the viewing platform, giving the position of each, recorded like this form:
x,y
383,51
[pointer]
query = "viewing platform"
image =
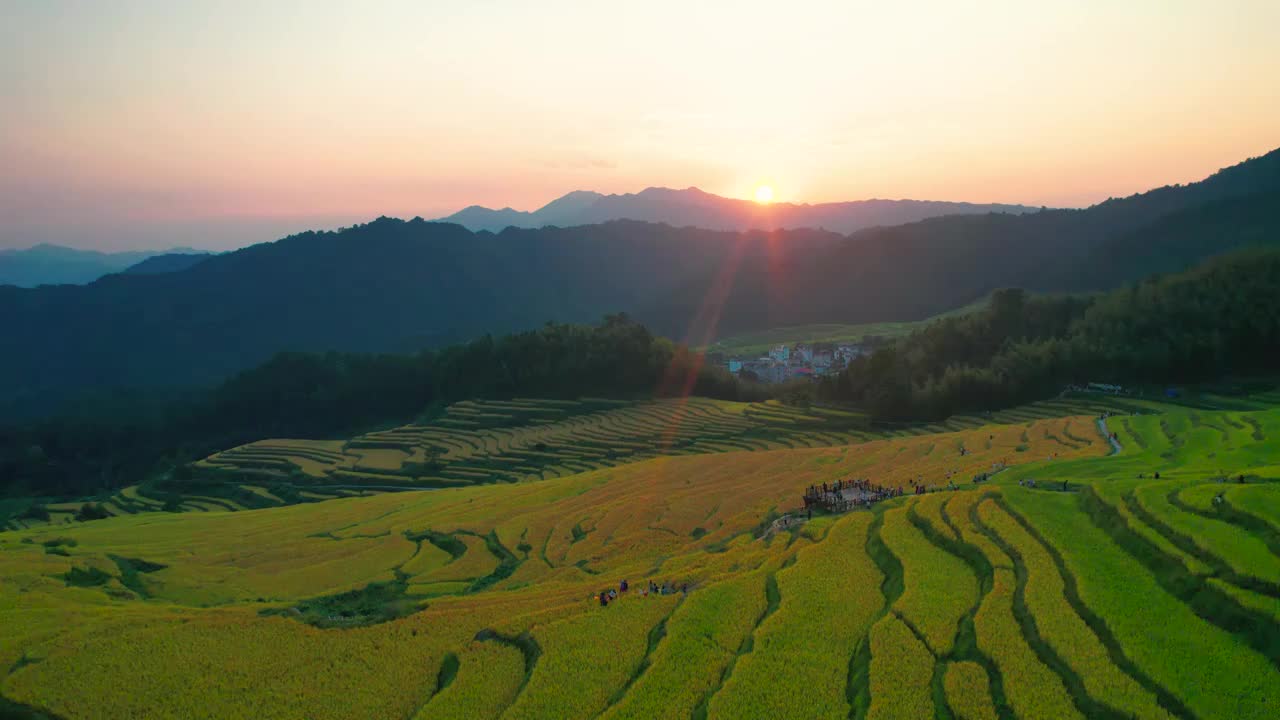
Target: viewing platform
x,y
845,495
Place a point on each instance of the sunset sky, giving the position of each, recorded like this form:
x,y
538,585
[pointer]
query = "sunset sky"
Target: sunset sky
x,y
154,124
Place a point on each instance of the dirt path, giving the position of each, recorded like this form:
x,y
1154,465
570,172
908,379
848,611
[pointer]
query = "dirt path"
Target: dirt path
x,y
1116,449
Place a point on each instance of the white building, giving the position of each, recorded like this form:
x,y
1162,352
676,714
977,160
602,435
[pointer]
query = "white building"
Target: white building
x,y
848,353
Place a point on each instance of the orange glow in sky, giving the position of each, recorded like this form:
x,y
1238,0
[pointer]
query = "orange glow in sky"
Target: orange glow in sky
x,y
141,124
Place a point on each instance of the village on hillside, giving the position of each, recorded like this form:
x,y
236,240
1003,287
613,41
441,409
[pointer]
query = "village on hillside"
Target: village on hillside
x,y
792,362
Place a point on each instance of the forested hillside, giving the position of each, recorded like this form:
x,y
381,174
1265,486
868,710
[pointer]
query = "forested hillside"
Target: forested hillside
x,y
915,271
1215,320
386,286
1211,322
120,440
392,285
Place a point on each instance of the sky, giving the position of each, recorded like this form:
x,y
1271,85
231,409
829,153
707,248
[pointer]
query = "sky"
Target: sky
x,y
132,125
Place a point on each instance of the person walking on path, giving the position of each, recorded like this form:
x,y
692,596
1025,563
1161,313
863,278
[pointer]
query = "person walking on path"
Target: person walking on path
x,y
1110,436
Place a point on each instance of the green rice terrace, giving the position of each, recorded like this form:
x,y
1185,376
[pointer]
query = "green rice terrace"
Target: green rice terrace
x,y
1043,562
477,442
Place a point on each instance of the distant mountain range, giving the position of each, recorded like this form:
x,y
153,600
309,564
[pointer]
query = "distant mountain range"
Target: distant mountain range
x,y
166,263
692,207
57,265
392,285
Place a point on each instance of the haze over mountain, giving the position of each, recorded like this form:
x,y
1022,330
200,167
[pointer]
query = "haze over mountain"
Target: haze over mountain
x,y
692,207
46,264
166,263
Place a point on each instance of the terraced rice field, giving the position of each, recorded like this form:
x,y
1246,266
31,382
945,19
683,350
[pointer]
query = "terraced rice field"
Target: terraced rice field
x,y
939,589
134,499
1116,596
478,442
968,693
509,441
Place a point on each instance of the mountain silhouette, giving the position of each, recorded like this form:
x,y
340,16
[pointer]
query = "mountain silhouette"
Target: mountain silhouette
x,y
692,207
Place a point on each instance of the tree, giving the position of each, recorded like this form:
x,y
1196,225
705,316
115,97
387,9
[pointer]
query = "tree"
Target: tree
x,y
92,511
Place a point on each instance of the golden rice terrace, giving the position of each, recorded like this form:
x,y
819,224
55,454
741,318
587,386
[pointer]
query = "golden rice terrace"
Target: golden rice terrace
x,y
1071,583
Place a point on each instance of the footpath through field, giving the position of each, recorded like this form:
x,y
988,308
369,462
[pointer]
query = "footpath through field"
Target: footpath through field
x,y
1116,449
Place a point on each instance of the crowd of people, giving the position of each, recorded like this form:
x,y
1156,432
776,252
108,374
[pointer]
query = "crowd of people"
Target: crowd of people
x,y
846,495
652,588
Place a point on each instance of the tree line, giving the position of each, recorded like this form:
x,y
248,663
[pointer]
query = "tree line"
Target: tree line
x,y
1215,320
118,440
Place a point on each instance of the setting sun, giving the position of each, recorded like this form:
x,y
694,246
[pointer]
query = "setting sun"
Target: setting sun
x,y
764,194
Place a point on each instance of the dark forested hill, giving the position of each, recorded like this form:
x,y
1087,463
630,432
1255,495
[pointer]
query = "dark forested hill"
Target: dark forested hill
x,y
395,285
913,271
1180,239
692,207
110,440
1212,321
388,285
